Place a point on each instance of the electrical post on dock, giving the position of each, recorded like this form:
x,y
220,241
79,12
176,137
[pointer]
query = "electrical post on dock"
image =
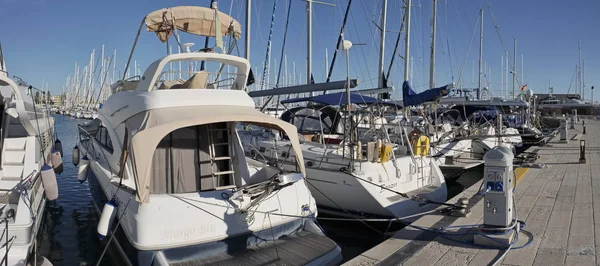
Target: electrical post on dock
x,y
564,133
582,151
583,123
575,115
572,123
499,181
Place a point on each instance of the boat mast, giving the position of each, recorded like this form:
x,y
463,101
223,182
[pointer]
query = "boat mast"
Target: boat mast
x,y
480,52
506,71
514,72
502,76
583,80
309,6
522,72
309,43
407,41
432,58
247,34
382,44
579,67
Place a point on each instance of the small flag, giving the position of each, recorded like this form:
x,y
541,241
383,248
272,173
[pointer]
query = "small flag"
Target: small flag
x,y
523,88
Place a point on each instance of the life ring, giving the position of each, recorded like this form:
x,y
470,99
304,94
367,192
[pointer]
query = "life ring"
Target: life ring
x,y
421,146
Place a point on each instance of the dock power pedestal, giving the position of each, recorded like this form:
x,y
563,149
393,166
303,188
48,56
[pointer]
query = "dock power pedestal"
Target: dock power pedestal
x,y
564,132
498,209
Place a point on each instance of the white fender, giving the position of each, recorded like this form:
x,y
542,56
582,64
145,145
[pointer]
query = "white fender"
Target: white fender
x,y
56,161
49,182
105,219
83,169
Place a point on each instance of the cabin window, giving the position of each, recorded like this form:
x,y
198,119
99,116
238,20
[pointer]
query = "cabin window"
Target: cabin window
x,y
193,159
104,139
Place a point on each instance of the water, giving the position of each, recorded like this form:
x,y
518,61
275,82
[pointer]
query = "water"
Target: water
x,y
68,232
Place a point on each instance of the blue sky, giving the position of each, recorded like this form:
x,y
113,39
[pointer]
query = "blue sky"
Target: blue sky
x,y
42,39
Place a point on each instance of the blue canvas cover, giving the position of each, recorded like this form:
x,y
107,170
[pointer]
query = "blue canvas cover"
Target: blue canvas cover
x,y
411,98
339,98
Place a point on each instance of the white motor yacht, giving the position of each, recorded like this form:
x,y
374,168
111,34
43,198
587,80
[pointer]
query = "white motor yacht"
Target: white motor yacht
x,y
26,141
169,166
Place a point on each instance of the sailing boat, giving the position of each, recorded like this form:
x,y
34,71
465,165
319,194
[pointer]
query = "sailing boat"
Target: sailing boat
x,y
169,164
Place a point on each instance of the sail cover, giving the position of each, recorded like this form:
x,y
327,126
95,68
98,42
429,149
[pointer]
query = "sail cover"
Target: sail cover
x,y
339,98
411,98
191,19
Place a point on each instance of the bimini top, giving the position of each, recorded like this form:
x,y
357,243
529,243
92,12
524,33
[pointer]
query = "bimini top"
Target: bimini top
x,y
148,128
340,98
192,19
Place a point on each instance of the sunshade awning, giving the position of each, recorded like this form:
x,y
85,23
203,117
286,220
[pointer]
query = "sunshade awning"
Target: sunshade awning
x,y
191,19
148,128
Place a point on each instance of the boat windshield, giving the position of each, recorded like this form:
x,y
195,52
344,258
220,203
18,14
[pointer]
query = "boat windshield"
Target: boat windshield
x,y
196,74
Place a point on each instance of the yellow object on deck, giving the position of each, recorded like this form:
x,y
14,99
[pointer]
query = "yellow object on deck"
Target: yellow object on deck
x,y
421,146
385,153
520,173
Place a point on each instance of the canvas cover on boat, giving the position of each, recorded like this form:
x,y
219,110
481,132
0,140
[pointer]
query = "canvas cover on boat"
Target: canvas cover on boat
x,y
339,98
411,98
148,128
191,19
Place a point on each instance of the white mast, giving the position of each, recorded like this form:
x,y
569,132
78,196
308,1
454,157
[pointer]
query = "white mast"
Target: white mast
x,y
382,43
285,66
407,43
583,80
432,59
473,74
326,63
514,72
522,72
579,68
247,33
114,66
480,53
502,75
309,42
294,73
506,71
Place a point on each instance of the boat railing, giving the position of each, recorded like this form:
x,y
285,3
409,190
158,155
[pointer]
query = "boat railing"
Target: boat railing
x,y
8,214
202,79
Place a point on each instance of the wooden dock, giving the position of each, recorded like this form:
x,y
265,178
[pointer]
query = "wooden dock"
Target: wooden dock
x,y
560,204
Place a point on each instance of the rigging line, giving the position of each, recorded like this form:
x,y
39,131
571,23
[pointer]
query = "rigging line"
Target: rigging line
x,y
112,235
448,40
396,47
206,40
285,30
361,48
268,53
499,32
467,55
337,46
572,77
346,211
262,40
103,82
282,53
91,82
